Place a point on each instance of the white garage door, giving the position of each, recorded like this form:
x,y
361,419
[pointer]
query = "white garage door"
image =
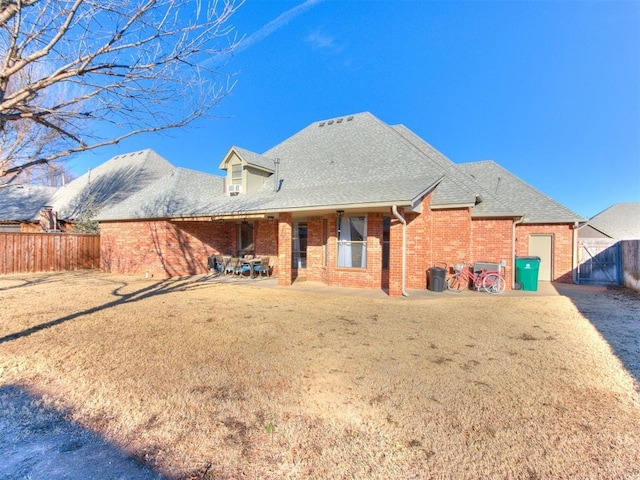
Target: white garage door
x,y
542,246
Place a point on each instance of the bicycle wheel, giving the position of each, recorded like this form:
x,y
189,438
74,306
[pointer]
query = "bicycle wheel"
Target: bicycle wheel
x,y
494,283
457,283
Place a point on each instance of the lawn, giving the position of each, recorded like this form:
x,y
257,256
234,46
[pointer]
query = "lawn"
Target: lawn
x,y
206,380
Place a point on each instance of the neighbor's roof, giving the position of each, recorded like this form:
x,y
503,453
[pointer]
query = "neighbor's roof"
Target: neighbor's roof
x,y
620,221
22,203
518,194
111,182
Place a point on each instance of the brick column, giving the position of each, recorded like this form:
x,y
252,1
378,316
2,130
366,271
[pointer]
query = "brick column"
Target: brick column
x,y
285,230
395,258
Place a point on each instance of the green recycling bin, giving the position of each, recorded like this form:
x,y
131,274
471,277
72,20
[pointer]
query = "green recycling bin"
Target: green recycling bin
x,y
527,272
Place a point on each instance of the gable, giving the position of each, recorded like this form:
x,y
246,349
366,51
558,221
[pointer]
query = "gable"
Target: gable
x,y
246,171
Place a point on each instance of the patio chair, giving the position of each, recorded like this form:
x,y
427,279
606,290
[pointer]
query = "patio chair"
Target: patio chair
x,y
262,267
212,263
221,264
230,266
241,268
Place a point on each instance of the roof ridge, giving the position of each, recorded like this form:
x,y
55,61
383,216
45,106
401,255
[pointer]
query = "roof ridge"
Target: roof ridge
x,y
199,172
438,161
524,184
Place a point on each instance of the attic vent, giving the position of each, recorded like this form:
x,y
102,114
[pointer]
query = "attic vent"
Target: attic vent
x,y
321,124
349,118
339,120
330,122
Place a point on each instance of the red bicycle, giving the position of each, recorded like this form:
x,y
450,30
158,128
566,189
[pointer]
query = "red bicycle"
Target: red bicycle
x,y
487,280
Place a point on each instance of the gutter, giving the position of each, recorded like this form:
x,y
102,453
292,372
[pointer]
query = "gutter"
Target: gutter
x,y
394,209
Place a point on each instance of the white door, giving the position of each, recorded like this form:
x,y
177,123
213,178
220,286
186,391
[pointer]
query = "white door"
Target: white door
x,y
542,246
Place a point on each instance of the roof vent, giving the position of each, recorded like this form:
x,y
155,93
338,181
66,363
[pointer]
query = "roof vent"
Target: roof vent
x,y
339,120
349,118
330,122
321,124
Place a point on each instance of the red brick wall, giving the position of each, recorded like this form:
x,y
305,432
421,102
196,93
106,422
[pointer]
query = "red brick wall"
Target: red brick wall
x,y
562,247
332,249
162,248
181,248
370,277
395,257
285,230
265,235
450,236
315,251
492,241
435,237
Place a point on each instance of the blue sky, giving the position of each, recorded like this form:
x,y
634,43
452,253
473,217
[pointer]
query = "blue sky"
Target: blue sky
x,y
550,90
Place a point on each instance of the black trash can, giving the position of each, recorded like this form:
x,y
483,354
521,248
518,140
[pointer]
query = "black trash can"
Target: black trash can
x,y
435,279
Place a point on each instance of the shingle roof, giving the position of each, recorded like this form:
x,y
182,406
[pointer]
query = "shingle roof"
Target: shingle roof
x,y
254,159
457,188
620,221
20,203
356,161
518,195
111,182
182,193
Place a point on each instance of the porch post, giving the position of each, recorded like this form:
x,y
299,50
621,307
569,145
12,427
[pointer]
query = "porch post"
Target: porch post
x,y
285,230
395,258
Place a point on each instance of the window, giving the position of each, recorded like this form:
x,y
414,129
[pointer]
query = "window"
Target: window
x,y
299,245
245,239
352,242
236,174
386,235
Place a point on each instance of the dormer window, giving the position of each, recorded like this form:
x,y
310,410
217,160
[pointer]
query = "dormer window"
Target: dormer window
x,y
236,174
247,172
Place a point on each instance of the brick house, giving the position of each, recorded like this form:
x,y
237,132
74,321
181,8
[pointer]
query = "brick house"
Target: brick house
x,y
350,202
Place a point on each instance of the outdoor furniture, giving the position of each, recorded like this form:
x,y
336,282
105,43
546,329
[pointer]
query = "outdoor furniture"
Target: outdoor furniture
x,y
242,267
221,263
248,265
262,267
212,263
231,266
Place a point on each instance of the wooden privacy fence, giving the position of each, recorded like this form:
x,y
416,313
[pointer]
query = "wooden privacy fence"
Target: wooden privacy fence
x,y
48,252
630,253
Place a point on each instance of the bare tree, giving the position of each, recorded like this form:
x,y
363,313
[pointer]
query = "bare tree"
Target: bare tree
x,y
80,74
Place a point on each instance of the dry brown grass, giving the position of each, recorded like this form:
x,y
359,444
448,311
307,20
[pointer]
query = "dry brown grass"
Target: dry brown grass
x,y
220,381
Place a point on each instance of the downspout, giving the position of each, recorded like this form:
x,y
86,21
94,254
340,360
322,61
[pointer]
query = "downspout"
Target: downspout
x,y
394,209
513,252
